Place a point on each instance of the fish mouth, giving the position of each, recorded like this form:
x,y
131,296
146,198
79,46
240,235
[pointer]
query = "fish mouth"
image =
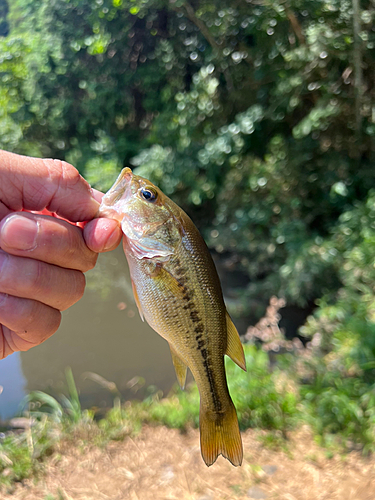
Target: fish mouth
x,y
114,201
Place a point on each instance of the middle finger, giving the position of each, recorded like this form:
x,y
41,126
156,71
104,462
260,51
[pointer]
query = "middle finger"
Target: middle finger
x,y
32,279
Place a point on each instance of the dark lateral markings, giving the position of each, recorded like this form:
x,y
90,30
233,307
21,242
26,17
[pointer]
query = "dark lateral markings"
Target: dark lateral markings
x,y
207,367
201,343
195,316
199,329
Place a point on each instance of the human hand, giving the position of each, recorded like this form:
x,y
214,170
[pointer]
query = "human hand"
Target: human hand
x,y
45,246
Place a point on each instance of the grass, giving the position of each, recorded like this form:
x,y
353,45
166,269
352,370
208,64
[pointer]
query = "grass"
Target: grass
x,y
274,441
21,453
263,399
53,421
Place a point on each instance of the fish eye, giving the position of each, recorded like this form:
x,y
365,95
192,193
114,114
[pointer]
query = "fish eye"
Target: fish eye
x,y
149,194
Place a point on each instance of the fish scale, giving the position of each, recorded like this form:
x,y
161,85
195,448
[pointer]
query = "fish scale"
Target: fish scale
x,y
178,293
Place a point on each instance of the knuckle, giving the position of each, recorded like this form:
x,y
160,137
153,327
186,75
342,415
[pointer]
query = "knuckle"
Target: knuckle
x,y
80,285
74,289
61,169
53,323
40,317
68,175
31,311
76,251
91,261
30,323
35,279
63,174
19,275
23,277
71,247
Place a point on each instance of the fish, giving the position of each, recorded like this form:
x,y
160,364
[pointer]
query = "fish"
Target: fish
x,y
177,291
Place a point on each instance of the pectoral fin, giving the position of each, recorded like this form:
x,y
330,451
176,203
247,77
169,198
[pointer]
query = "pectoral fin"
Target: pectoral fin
x,y
234,346
180,367
136,298
169,282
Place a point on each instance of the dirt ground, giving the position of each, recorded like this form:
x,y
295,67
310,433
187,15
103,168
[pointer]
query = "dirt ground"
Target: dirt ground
x,y
161,464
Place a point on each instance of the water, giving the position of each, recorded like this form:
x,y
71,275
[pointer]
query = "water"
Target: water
x,y
102,334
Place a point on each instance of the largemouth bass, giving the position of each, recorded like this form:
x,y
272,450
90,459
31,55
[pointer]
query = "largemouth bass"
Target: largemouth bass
x,y
178,293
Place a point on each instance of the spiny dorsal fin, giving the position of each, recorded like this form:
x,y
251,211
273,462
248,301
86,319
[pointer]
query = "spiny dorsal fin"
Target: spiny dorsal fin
x,y
180,367
234,346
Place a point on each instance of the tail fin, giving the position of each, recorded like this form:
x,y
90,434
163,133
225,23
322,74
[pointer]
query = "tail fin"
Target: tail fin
x,y
220,434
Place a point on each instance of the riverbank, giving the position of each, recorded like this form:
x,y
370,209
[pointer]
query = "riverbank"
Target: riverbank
x,y
150,449
161,463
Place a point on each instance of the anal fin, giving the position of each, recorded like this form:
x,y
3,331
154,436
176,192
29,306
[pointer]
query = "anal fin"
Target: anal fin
x,y
234,346
180,368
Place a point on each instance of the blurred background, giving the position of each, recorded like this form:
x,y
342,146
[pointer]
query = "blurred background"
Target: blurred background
x,y
258,119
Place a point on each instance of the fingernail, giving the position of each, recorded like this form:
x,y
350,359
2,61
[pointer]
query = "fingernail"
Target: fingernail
x,y
112,240
19,232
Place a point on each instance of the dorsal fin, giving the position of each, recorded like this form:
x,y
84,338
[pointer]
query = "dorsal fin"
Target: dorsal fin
x,y
234,346
180,368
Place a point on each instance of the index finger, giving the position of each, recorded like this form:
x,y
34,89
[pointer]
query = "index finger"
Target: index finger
x,y
47,239
35,184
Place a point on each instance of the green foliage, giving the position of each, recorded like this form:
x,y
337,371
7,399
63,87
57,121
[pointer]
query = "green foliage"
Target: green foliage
x,y
274,441
101,173
341,411
21,453
118,423
177,411
264,399
53,421
17,457
249,115
341,392
66,411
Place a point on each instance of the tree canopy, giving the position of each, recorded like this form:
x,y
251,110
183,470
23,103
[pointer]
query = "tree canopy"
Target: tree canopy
x,y
257,117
